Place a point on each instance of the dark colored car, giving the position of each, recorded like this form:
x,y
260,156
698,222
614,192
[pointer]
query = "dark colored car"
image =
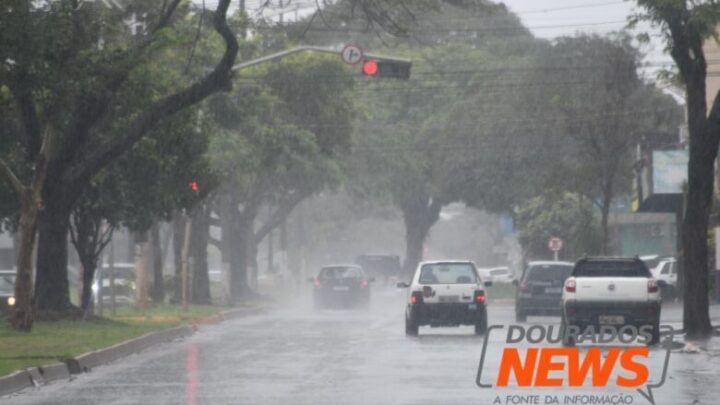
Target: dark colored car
x,y
341,286
7,290
384,266
539,290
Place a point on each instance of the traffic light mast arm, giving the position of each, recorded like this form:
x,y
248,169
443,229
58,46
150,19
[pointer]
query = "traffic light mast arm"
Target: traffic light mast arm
x,y
282,54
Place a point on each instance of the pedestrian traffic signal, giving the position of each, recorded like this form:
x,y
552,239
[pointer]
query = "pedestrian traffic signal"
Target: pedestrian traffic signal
x,y
386,68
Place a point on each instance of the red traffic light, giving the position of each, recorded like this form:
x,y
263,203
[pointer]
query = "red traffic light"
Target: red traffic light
x,y
193,184
370,67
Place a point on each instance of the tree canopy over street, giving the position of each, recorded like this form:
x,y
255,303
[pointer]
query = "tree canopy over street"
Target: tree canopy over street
x,y
130,115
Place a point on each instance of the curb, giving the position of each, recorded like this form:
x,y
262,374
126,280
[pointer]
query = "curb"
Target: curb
x,y
37,376
87,361
14,382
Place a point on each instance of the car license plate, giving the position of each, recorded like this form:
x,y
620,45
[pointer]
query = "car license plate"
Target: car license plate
x,y
553,290
341,288
448,298
472,307
611,319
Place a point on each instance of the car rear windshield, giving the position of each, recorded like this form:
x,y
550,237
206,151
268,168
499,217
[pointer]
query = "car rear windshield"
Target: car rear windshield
x,y
331,273
448,273
7,283
548,272
611,269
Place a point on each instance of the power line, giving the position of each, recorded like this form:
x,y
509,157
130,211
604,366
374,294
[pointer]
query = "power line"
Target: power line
x,y
546,10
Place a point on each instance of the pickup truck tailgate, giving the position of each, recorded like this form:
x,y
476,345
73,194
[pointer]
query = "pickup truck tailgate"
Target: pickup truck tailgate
x,y
611,289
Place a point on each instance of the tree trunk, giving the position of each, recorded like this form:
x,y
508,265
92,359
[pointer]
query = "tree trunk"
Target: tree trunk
x,y
414,244
157,293
198,250
604,216
241,244
23,313
419,216
52,292
178,238
703,151
142,250
88,276
696,317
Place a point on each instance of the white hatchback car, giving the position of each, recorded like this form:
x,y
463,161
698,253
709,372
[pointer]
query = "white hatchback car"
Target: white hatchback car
x,y
446,293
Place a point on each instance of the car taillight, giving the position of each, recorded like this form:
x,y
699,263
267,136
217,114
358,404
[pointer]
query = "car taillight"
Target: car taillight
x,y
416,298
524,287
364,284
479,296
570,285
317,283
653,286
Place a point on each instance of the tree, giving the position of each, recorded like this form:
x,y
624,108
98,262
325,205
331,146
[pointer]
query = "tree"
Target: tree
x,y
685,27
143,187
70,92
568,216
603,110
438,139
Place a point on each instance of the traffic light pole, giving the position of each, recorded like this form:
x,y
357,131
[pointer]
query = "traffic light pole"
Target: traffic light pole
x,y
299,49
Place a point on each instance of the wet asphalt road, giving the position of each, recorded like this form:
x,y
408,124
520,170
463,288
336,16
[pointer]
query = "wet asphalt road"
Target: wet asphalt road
x,y
298,356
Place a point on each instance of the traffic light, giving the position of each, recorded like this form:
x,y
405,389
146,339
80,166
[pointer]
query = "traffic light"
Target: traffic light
x,y
193,184
386,68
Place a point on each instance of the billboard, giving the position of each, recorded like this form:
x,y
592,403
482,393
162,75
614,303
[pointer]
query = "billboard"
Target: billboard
x,y
669,171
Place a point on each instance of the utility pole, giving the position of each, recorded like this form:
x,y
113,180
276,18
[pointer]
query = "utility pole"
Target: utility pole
x,y
185,270
281,11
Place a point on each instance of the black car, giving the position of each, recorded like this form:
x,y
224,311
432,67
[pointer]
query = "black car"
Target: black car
x,y
7,290
341,286
539,290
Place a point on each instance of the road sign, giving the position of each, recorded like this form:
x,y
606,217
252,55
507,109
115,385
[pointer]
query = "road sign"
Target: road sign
x,y
351,54
555,244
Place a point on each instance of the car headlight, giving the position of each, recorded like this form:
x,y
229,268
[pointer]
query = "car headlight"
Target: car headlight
x,y
11,301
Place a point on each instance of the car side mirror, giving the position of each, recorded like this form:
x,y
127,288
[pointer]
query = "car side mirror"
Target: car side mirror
x,y
515,283
488,284
403,285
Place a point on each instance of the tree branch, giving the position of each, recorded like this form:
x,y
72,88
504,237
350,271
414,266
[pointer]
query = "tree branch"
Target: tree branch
x,y
217,80
280,214
10,176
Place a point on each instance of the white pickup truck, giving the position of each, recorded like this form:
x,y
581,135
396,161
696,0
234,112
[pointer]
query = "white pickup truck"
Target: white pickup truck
x,y
608,291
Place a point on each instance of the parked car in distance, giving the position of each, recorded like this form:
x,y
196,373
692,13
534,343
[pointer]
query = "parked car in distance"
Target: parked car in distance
x,y
124,277
497,274
7,290
666,274
342,285
446,293
539,290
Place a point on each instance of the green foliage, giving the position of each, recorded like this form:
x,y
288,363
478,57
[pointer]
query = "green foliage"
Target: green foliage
x,y
281,130
568,216
594,112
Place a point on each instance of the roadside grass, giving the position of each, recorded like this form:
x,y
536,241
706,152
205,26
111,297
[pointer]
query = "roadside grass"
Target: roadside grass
x,y
162,313
52,341
500,291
